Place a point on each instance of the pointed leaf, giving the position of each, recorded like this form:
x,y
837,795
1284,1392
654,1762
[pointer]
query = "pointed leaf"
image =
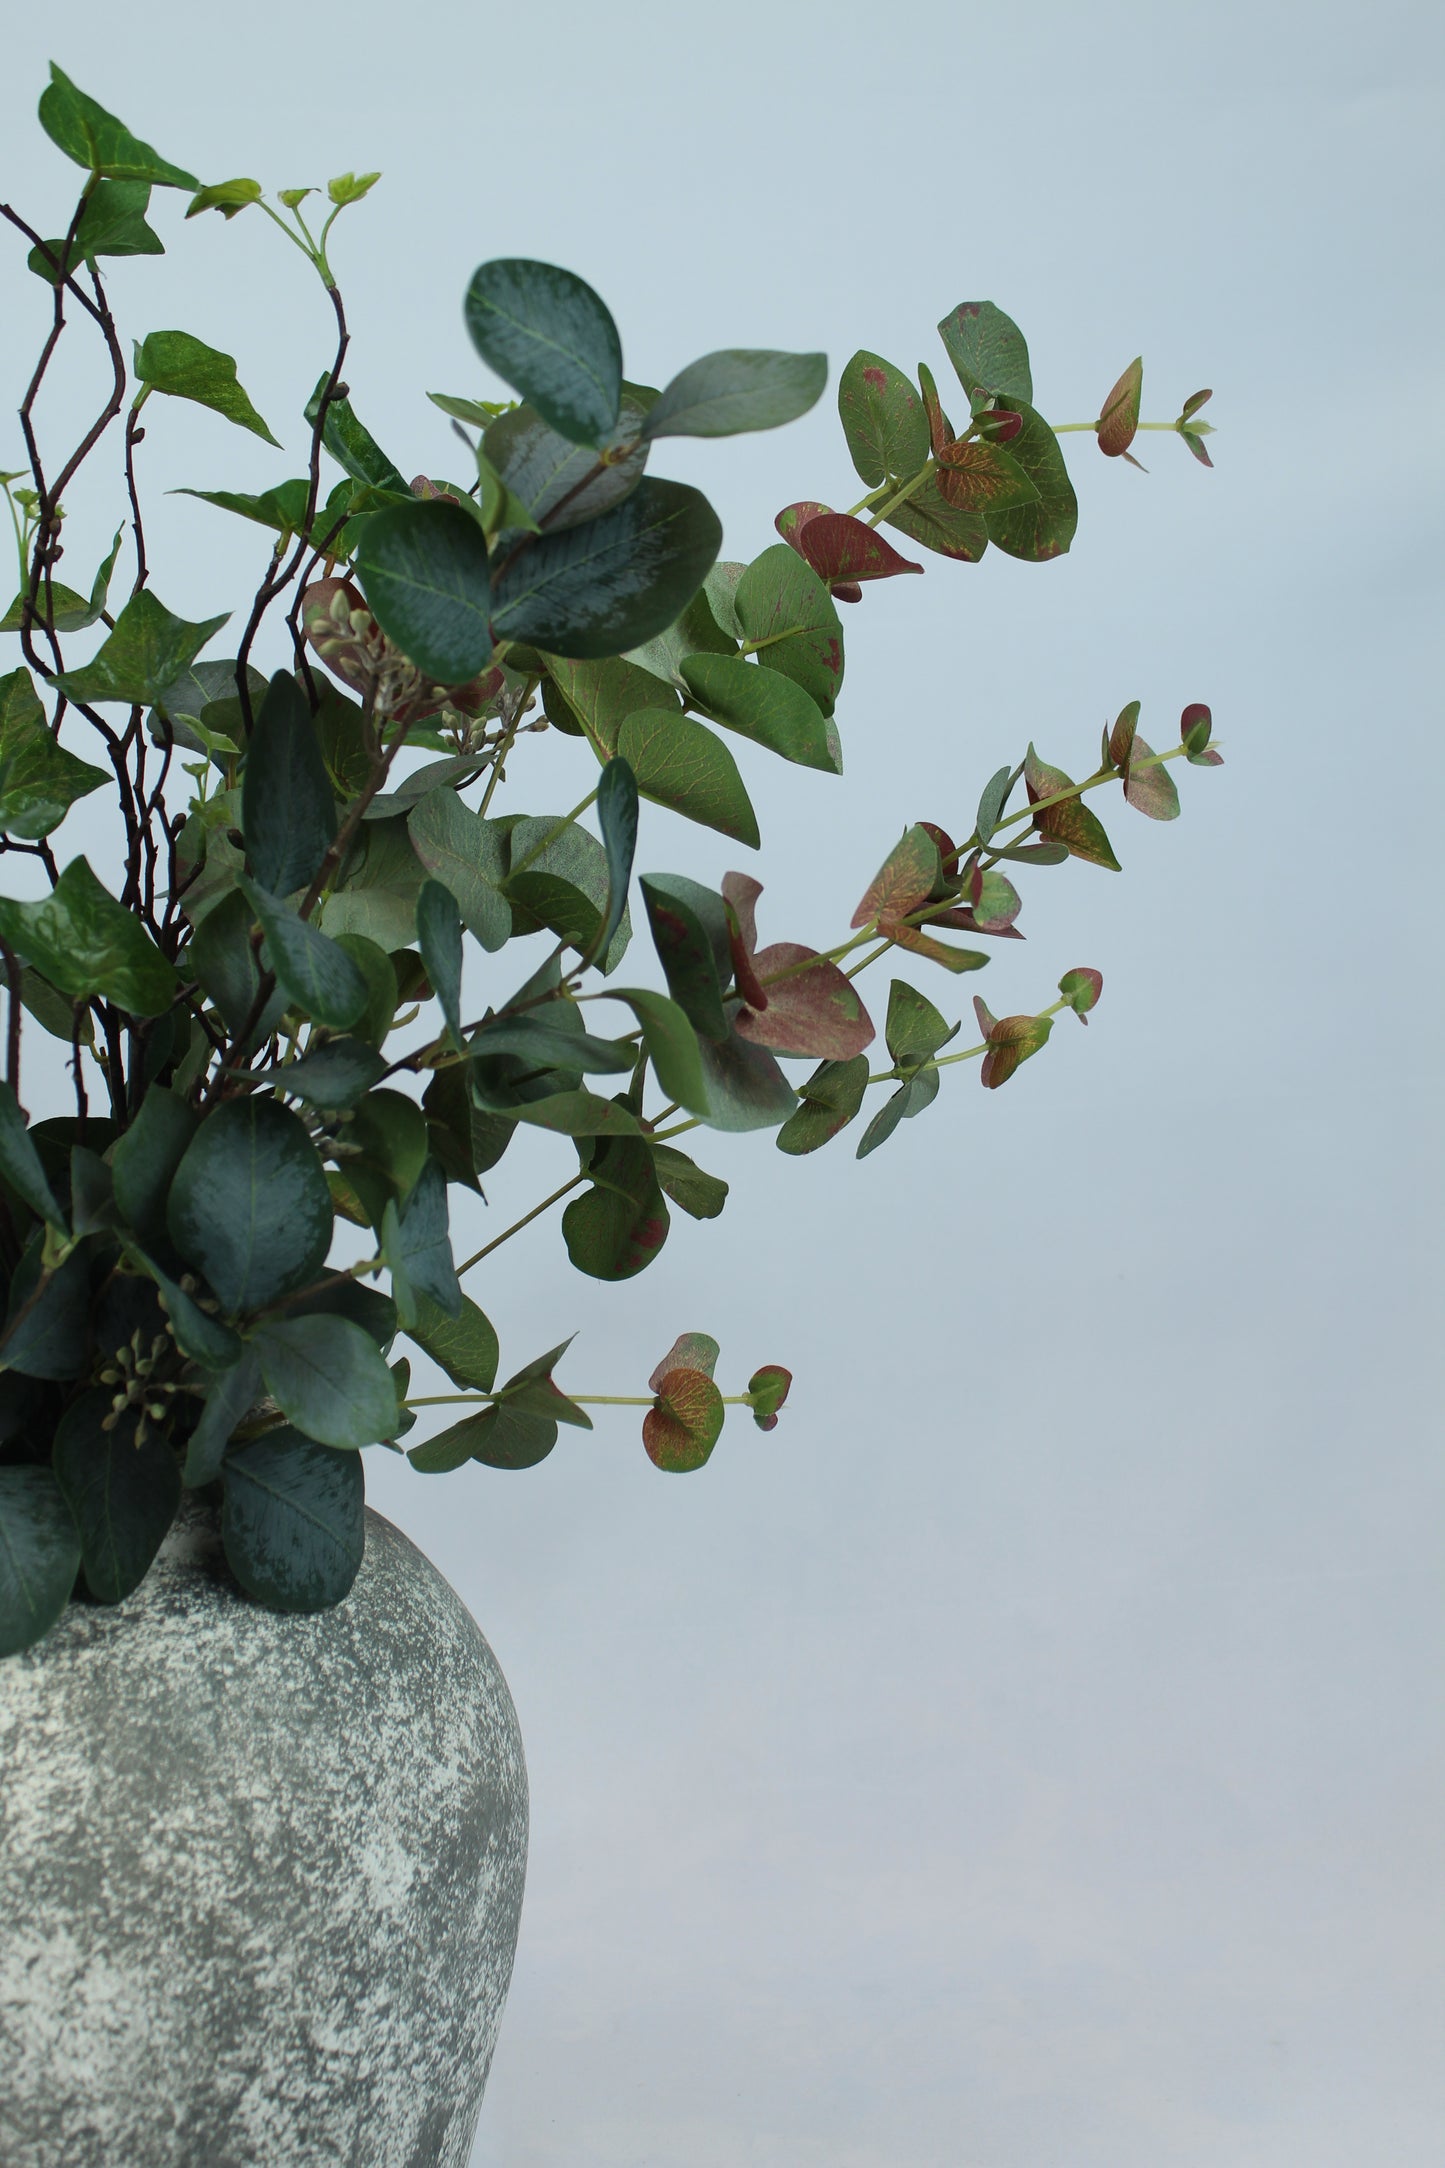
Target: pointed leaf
x,y
1150,789
700,1195
113,223
599,697
85,943
914,1029
1120,743
454,846
617,818
20,1163
186,368
830,1098
230,1399
671,1044
99,142
1069,823
439,937
145,1160
315,973
841,548
1119,415
909,1100
906,879
288,813
144,654
977,477
548,335
464,1346
423,1251
39,779
689,932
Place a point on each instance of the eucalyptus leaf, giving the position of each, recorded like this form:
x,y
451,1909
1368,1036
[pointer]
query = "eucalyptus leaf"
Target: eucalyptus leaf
x,y
327,1377
39,1556
727,393
987,350
20,1163
456,847
122,1486
293,1520
548,335
315,973
425,570
787,612
604,587
765,706
681,764
229,1400
145,1160
249,1207
439,933
288,813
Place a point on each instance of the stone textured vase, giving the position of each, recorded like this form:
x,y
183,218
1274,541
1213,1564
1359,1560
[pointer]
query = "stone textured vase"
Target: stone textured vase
x,y
260,1877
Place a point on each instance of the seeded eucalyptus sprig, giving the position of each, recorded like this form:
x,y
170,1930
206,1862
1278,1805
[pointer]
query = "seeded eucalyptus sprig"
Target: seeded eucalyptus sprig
x,y
288,1010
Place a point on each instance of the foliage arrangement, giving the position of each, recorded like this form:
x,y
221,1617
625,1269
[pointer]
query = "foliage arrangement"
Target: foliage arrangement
x,y
290,1004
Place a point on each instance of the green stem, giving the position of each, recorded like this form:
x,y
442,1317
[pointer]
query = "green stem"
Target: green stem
x,y
902,495
525,1221
1063,429
307,247
864,961
579,1400
678,1129
558,828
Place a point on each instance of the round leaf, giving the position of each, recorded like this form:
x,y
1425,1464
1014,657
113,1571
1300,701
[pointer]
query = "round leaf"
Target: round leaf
x,y
326,1376
548,335
424,567
293,1520
249,1206
614,582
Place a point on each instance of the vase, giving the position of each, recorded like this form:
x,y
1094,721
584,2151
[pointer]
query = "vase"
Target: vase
x,y
260,1875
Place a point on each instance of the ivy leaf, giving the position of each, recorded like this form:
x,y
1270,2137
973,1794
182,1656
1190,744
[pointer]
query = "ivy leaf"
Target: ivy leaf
x,y
1081,989
612,583
906,879
352,445
689,932
883,419
760,704
20,1163
465,1346
786,610
439,936
249,1207
814,1011
768,1389
479,412
684,1422
60,606
98,141
122,1487
454,846
227,197
680,764
1069,823
740,389
315,973
1119,415
691,1189
831,1097
350,187
113,223
839,547
1011,1040
145,653
293,1520
548,335
327,1377
39,780
186,368
1044,528
978,477
988,351
425,569
39,1556
85,943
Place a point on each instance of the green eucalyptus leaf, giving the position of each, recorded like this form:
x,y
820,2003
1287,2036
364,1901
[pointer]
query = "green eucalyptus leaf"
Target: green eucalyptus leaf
x,y
197,1334
787,612
327,1377
422,1251
606,586
616,1228
293,1520
617,818
122,1487
548,335
375,892
459,850
543,1043
145,1160
671,1043
689,931
383,995
682,765
98,141
914,1029
598,697
1044,528
288,813
745,1087
220,956
249,1208
387,1141
48,1318
909,1100
315,973
700,1195
39,1556
739,389
500,1437
695,631
987,350
465,1346
186,368
439,935
333,1076
557,877
883,419
560,482
765,706
144,654
830,1097
229,1400
85,943
425,570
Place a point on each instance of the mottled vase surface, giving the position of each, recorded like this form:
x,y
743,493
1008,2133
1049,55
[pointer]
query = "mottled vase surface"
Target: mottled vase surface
x,y
260,1877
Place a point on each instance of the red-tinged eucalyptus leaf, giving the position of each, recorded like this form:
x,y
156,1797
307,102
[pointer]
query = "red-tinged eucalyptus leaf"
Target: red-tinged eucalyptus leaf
x,y
848,590
1081,989
611,1235
1120,742
1069,823
839,547
1193,403
883,419
768,1389
1011,1041
927,517
987,350
999,425
1119,415
1044,528
938,952
940,429
1195,726
742,892
689,1351
813,1010
976,477
947,853
684,1423
906,879
793,518
1150,788
1196,445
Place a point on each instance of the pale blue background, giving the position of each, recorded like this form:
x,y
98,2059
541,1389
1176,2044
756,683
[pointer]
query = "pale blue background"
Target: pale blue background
x,y
1031,1752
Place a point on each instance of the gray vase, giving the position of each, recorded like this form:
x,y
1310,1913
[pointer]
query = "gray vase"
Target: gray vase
x,y
260,1877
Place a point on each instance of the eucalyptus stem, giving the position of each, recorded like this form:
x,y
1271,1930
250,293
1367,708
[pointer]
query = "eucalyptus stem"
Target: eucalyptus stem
x,y
525,1221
